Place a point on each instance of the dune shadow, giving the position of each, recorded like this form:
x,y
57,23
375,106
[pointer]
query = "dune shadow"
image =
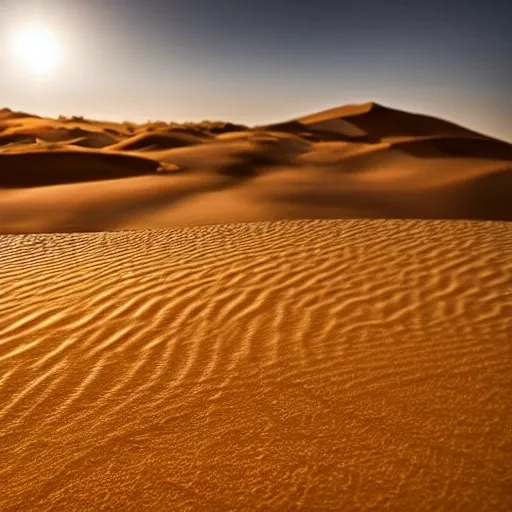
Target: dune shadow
x,y
483,198
487,197
319,135
157,141
16,138
461,147
250,164
41,168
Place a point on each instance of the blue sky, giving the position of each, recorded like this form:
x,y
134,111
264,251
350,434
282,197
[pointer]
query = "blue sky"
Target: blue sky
x,y
257,61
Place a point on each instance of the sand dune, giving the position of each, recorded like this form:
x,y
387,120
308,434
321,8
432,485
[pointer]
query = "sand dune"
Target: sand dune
x,y
317,365
362,161
380,121
306,365
157,141
36,168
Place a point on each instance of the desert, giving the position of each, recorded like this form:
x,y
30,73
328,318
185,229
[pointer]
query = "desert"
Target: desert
x,y
357,161
306,315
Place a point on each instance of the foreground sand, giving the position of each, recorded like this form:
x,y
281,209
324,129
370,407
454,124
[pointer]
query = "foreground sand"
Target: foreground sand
x,y
359,161
314,365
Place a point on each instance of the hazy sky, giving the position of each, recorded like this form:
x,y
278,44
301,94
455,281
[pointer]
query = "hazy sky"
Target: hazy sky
x,y
257,61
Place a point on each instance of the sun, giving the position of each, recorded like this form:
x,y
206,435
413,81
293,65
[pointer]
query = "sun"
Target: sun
x,y
37,48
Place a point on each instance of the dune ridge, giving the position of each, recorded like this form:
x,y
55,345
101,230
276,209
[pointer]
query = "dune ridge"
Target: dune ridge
x,y
382,121
356,161
310,365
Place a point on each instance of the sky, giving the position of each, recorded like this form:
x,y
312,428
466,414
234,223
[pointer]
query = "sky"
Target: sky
x,y
259,61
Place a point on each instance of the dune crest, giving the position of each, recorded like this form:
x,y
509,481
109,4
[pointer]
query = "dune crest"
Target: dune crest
x,y
356,161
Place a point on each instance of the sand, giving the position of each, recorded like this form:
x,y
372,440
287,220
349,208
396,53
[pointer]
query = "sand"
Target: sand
x,y
310,365
358,161
182,326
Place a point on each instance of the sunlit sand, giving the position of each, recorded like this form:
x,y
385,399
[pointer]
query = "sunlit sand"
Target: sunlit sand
x,y
360,161
235,358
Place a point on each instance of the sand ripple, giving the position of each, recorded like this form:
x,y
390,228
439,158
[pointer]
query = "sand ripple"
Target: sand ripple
x,y
310,365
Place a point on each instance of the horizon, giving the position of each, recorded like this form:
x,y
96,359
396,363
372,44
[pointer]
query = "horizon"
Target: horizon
x,y
79,117
245,64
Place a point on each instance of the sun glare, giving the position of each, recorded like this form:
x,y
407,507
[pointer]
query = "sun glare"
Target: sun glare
x,y
38,49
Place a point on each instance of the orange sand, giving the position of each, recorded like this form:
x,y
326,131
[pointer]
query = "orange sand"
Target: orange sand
x,y
314,365
362,161
357,364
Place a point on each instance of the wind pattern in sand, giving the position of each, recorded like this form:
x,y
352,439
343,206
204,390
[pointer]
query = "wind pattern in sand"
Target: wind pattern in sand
x,y
310,365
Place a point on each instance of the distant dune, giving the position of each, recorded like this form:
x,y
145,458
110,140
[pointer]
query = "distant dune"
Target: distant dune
x,y
34,168
364,161
379,121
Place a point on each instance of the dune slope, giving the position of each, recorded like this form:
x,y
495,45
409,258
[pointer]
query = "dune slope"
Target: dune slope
x,y
315,365
39,168
356,161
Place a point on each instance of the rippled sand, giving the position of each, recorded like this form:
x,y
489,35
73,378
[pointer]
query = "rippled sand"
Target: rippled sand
x,y
311,365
